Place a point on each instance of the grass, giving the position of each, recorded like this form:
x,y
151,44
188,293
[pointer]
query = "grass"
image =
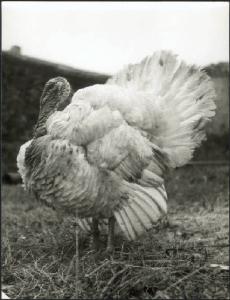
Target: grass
x,y
172,261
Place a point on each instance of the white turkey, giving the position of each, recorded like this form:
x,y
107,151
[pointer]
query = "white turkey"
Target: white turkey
x,y
105,155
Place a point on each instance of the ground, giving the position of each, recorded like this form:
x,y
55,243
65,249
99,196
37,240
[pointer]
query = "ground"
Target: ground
x,y
172,261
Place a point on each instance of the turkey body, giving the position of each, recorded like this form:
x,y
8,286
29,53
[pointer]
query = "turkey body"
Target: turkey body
x,y
106,153
101,169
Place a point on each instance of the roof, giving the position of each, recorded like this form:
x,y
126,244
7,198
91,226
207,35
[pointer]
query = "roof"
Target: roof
x,y
61,67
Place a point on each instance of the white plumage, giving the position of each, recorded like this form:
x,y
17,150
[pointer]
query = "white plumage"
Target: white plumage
x,y
106,153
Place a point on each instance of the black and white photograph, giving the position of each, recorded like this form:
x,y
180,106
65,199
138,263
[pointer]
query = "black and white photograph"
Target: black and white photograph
x,y
115,150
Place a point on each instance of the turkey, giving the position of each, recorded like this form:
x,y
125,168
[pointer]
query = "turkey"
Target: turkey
x,y
104,156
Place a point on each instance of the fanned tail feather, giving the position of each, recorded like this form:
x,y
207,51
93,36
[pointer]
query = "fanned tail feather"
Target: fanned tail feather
x,y
182,100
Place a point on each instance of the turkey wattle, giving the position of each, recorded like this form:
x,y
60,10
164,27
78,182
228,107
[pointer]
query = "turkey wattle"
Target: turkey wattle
x,y
106,153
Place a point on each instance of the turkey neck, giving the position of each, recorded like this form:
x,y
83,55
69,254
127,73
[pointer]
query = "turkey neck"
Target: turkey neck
x,y
44,114
34,151
55,93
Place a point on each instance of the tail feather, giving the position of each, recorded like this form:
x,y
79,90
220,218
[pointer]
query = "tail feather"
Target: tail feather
x,y
139,215
128,223
149,204
86,223
143,212
151,179
143,209
162,191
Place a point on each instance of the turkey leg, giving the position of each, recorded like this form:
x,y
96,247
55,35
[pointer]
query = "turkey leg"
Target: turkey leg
x,y
96,234
110,241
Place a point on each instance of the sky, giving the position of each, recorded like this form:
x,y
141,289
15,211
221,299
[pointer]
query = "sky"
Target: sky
x,y
105,36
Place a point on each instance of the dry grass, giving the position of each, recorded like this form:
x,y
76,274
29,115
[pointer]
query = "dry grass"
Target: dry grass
x,y
169,262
